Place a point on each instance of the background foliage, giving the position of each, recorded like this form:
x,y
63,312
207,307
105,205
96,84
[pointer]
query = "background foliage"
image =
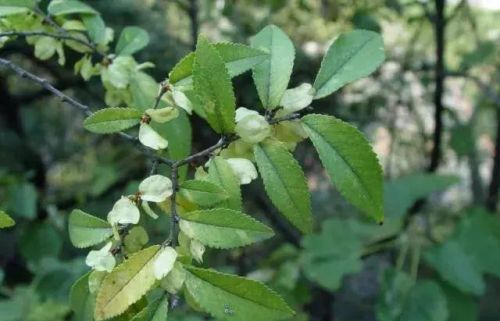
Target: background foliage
x,y
431,111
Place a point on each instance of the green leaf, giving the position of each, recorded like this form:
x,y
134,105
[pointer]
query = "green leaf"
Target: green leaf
x,y
238,58
22,200
11,10
64,7
126,284
461,307
401,193
82,302
221,173
112,120
155,311
202,193
330,255
271,76
86,230
425,302
95,27
40,240
394,290
18,3
6,220
285,184
456,267
143,89
223,228
350,162
478,235
230,297
132,39
213,85
351,56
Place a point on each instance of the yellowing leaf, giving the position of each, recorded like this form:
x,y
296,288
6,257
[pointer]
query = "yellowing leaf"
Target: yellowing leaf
x,y
126,284
6,220
230,297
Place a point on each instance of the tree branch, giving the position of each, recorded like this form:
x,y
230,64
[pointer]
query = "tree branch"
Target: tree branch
x,y
61,36
83,108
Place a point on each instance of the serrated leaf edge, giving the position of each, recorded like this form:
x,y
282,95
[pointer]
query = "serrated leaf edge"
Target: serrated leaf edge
x,y
104,110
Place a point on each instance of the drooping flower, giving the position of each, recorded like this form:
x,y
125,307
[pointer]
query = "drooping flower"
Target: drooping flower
x,y
251,126
243,169
155,188
101,260
150,138
124,212
164,262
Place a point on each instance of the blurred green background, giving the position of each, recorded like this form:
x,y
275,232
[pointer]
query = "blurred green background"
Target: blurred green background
x,y
436,258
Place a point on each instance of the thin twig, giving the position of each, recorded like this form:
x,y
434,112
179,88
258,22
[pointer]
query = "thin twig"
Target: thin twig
x,y
61,36
84,108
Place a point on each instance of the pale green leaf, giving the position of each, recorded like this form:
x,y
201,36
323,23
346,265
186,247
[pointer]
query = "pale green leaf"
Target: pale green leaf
x,y
285,184
350,162
18,3
271,76
95,26
230,297
223,228
82,302
213,85
461,306
157,310
6,220
132,39
126,284
112,120
425,302
478,233
401,193
392,295
332,254
143,89
456,267
11,10
86,230
221,173
64,7
202,193
238,58
351,56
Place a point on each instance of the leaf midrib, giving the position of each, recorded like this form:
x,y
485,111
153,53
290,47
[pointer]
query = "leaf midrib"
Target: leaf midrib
x,y
341,66
275,169
237,295
370,197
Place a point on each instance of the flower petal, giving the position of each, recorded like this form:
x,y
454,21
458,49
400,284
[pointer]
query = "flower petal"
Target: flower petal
x,y
243,169
155,188
164,262
150,138
124,212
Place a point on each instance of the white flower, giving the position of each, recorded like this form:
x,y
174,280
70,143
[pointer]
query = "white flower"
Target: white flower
x,y
164,262
101,260
250,126
163,115
197,249
243,169
243,112
297,98
182,101
155,188
150,138
124,212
